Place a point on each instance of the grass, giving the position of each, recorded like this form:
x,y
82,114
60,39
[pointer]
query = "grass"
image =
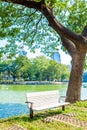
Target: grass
x,y
37,123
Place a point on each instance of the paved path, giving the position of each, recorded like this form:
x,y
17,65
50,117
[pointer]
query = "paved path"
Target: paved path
x,y
16,127
66,119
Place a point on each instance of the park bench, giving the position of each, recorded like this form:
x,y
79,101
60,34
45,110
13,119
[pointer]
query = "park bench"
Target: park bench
x,y
37,101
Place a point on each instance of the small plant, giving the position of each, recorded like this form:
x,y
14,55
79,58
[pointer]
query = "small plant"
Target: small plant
x,y
81,104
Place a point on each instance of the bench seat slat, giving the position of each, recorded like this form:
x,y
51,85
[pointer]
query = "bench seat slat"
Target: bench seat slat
x,y
50,106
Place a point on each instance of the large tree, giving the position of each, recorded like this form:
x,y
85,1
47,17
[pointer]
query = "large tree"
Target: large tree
x,y
75,43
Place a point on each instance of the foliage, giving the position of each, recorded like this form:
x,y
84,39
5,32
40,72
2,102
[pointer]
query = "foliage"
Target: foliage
x,y
85,65
15,68
53,70
77,16
81,104
40,64
3,67
29,26
9,51
39,68
25,70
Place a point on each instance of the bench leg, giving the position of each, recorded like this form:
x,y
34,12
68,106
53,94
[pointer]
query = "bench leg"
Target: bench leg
x,y
63,108
31,113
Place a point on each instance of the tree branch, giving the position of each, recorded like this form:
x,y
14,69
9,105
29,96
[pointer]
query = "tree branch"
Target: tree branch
x,y
35,31
84,33
70,47
61,30
27,3
53,22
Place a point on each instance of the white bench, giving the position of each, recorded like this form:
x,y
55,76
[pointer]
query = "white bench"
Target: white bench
x,y
44,100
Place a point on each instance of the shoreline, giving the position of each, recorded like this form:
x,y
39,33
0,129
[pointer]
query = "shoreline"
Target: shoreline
x,y
33,82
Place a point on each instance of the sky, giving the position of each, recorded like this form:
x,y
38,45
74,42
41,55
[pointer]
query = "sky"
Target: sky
x,y
65,58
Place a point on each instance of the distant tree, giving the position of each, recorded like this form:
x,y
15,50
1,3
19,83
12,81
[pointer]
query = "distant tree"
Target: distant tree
x,y
3,67
52,70
57,71
15,67
39,65
25,70
64,73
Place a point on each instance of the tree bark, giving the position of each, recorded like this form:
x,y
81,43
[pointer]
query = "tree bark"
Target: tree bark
x,y
75,81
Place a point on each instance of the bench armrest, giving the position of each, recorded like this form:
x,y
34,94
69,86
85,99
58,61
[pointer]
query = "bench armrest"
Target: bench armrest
x,y
29,102
62,98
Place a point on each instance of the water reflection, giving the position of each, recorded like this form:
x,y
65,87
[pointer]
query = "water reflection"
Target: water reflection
x,y
12,109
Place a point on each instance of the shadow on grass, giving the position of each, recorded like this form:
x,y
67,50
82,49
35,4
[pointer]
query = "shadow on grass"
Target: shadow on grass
x,y
37,116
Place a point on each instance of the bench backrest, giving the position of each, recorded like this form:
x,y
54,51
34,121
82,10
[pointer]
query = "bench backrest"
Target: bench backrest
x,y
43,98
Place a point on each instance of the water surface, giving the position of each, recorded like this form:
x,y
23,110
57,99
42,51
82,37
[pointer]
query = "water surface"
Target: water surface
x,y
13,97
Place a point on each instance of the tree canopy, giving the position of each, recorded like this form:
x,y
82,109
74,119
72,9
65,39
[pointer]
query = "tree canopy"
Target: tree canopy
x,y
30,27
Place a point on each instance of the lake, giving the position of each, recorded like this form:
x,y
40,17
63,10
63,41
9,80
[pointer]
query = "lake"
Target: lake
x,y
12,97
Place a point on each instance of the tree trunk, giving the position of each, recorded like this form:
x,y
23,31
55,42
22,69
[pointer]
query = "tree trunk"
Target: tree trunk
x,y
14,78
75,82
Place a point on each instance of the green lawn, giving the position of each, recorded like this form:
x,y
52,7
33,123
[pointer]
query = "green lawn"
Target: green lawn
x,y
39,122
